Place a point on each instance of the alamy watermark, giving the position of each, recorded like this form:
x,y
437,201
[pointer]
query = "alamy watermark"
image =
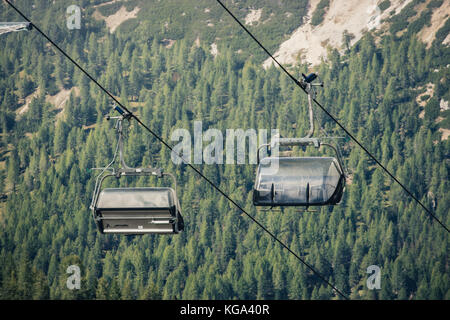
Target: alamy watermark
x,y
74,280
73,20
374,280
230,148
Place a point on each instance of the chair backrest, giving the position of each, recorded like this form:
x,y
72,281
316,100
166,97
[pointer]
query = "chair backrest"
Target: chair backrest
x,y
298,181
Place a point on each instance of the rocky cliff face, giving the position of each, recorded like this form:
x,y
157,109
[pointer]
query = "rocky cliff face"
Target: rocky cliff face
x,y
343,23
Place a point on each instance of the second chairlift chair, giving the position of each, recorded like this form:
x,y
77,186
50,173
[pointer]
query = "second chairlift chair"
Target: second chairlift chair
x,y
299,181
138,210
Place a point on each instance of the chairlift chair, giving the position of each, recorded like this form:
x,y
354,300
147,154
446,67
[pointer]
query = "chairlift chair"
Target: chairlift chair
x,y
138,210
299,181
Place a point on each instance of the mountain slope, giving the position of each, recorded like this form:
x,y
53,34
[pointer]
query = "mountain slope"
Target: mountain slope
x,y
345,22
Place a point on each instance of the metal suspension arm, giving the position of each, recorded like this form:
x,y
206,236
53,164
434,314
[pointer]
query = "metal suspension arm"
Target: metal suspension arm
x,y
311,114
308,84
309,87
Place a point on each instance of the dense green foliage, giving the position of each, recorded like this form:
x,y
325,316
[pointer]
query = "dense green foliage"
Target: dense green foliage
x,y
46,224
319,13
384,5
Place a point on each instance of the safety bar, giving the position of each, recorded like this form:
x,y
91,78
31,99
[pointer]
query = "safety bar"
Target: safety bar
x,y
302,142
139,172
289,142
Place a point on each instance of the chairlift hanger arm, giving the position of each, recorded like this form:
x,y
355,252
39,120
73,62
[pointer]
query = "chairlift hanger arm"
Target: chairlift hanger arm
x,y
309,88
125,170
308,84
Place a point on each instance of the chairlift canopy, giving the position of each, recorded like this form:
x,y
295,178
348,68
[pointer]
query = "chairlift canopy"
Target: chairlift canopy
x,y
298,181
138,211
